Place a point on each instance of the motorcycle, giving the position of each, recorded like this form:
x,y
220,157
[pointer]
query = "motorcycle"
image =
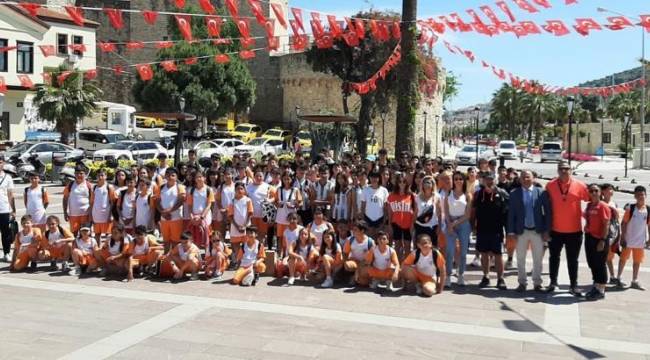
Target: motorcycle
x,y
67,174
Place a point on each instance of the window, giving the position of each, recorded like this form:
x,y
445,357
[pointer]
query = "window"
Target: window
x,y
3,56
646,137
62,44
589,138
25,55
78,40
607,138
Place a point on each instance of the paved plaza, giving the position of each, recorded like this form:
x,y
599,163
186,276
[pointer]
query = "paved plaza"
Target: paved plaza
x,y
49,315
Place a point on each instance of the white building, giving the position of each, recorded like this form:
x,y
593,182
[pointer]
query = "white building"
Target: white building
x,y
26,33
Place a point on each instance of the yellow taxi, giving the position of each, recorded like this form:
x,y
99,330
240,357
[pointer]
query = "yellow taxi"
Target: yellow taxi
x,y
303,137
246,132
372,147
278,134
223,124
149,122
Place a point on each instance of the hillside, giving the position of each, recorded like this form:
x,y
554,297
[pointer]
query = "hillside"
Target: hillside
x,y
620,77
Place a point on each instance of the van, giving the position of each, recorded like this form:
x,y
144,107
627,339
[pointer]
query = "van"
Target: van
x,y
91,140
551,151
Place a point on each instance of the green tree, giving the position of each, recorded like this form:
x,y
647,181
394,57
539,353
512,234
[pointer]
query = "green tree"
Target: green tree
x,y
67,103
507,108
452,87
536,109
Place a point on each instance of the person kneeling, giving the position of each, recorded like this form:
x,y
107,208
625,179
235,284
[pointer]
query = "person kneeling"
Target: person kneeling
x,y
425,267
115,255
25,245
56,244
183,259
302,256
84,250
216,256
251,260
355,251
384,265
146,251
331,258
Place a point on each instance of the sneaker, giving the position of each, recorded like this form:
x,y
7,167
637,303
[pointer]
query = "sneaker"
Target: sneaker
x,y
521,288
256,278
509,265
551,287
476,262
636,285
33,265
575,292
194,277
461,280
218,275
65,267
418,288
374,284
594,294
248,279
613,281
389,286
77,270
448,282
485,282
6,258
53,265
538,288
501,284
620,284
328,283
291,280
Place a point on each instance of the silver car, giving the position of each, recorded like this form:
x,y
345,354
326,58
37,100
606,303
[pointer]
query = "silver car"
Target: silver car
x,y
44,150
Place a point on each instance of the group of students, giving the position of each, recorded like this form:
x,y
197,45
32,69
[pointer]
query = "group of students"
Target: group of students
x,y
409,220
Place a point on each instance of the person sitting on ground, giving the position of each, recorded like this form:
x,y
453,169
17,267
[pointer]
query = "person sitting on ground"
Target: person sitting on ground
x,y
56,244
216,256
146,251
251,260
425,267
384,264
115,254
354,254
302,256
182,259
330,258
26,244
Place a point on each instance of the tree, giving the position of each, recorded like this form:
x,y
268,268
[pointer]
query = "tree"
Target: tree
x,y
536,109
452,87
408,97
67,102
506,108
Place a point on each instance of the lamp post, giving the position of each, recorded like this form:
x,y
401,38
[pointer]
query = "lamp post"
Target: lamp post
x,y
570,102
437,124
478,115
178,152
424,147
383,129
627,137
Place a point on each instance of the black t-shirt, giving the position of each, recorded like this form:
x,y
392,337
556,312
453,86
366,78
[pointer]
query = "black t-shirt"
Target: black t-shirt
x,y
491,211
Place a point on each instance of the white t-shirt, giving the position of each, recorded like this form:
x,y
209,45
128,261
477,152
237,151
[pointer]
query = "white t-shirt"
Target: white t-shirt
x,y
322,191
79,199
240,213
101,205
128,204
200,202
636,232
286,196
168,198
456,206
318,231
227,193
424,205
257,194
375,200
35,206
425,265
381,261
6,186
143,211
291,236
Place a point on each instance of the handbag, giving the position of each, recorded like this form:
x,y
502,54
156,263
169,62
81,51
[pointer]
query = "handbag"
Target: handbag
x,y
426,216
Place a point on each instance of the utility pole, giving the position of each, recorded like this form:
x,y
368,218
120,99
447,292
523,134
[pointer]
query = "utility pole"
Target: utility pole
x,y
407,100
643,98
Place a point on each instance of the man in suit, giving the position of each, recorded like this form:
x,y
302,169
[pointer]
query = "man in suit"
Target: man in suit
x,y
529,223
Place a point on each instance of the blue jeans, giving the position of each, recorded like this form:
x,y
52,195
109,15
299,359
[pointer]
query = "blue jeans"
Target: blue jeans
x,y
462,232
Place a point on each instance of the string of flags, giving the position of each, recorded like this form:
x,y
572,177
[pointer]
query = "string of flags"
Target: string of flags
x,y
370,85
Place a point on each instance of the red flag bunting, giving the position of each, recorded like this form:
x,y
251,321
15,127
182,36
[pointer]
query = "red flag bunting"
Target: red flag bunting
x,y
213,24
351,39
145,71
326,41
506,10
184,26
450,24
164,44
519,30
556,27
396,31
384,33
242,25
90,74
47,50
150,16
256,9
490,14
273,43
316,28
31,8
60,79
247,43
297,16
469,55
76,14
107,47
207,6
374,29
584,26
179,3
299,43
570,2
134,45
222,59
222,42
3,85
484,64
531,27
525,5
335,28
279,14
7,48
191,60
543,3
294,27
247,54
501,74
25,81
47,78
618,23
269,27
78,47
460,24
233,8
645,22
115,18
360,28
477,19
169,66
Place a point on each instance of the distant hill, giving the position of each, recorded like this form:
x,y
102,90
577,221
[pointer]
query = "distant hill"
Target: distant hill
x,y
619,78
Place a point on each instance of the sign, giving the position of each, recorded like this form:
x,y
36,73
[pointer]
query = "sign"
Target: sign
x,y
600,151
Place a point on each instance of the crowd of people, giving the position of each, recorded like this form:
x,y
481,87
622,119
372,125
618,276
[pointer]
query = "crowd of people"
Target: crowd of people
x,y
406,222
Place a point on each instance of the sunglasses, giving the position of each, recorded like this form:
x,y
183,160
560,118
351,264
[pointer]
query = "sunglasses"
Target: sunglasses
x,y
594,191
565,169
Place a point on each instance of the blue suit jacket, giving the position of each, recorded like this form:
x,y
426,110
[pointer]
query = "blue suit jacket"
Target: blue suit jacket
x,y
541,211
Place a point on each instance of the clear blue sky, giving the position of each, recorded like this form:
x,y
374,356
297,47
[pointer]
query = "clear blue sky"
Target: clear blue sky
x,y
557,61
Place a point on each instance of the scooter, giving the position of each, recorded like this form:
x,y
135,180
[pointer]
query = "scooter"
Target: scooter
x,y
67,174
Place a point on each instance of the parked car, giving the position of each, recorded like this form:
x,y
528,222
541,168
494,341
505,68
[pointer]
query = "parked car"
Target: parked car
x,y
149,122
229,145
216,134
551,151
205,149
467,155
130,150
279,134
506,149
44,150
91,140
303,137
246,132
260,146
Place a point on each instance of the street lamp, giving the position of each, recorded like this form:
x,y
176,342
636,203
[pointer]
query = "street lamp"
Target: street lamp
x,y
627,135
478,114
383,129
570,103
437,124
424,148
178,152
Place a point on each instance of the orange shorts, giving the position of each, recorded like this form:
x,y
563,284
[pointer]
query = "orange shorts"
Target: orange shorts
x,y
638,255
377,274
511,244
224,262
237,239
171,230
612,252
55,252
442,242
262,227
24,257
423,278
103,228
336,262
243,271
88,260
77,221
146,259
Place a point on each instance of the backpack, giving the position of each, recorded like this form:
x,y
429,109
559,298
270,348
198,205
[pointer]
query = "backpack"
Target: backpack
x,y
435,253
371,242
27,190
91,189
207,194
632,208
614,233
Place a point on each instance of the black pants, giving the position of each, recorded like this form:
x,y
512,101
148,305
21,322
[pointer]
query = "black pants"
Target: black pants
x,y
572,242
5,232
597,260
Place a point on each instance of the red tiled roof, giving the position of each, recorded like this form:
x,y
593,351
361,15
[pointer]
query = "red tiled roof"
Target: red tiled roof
x,y
45,14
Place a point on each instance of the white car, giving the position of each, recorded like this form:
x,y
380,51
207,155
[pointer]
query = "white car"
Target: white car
x,y
260,145
551,151
91,140
205,149
44,150
229,145
467,155
131,150
506,149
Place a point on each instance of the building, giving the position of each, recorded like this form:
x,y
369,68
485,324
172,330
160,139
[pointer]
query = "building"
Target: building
x,y
587,137
18,29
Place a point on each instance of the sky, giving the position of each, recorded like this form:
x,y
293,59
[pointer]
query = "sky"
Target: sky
x,y
556,61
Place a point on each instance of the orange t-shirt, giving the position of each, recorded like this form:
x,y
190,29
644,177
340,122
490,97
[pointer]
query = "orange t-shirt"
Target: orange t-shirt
x,y
566,204
401,206
598,217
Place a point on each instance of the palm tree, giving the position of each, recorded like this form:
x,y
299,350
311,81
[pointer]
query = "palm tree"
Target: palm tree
x,y
506,108
68,102
536,109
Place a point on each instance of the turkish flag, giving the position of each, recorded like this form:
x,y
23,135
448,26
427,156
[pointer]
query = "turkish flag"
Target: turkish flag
x,y
294,27
184,26
247,54
299,43
384,33
279,14
514,80
179,3
484,64
107,47
134,45
233,8
169,66
47,78
164,44
360,28
618,23
207,6
570,2
374,29
115,18
519,30
269,27
396,31
462,26
351,39
222,59
326,41
273,43
490,14
297,16
256,9
191,60
247,43
335,28
543,3
506,10
469,55
481,28
76,14
60,79
556,27
450,24
145,71
31,8
448,46
25,81
316,28
90,74
47,50
525,5
645,22
78,47
242,25
531,27
222,42
3,85
583,26
213,24
150,16
477,19
437,26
